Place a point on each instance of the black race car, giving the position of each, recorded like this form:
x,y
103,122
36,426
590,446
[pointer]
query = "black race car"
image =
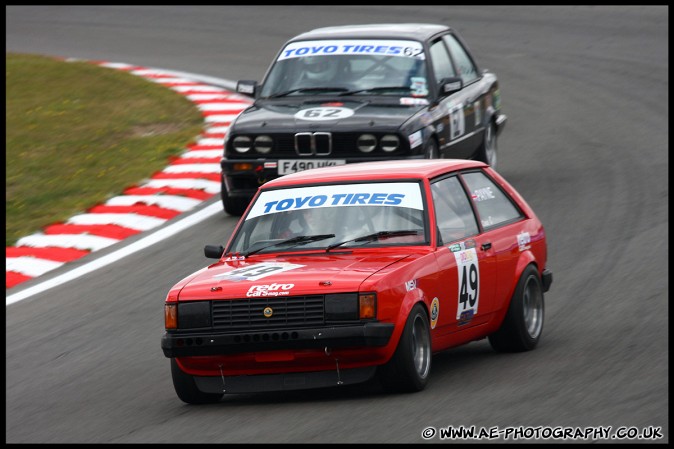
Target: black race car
x,y
359,93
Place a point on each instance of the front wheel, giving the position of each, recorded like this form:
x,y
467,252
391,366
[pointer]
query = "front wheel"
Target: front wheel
x,y
233,206
523,324
410,366
187,390
431,149
488,150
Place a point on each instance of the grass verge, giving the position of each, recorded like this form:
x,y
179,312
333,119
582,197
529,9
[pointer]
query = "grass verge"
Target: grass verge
x,y
78,134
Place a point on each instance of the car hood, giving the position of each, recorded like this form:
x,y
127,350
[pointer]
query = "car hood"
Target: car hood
x,y
284,276
273,117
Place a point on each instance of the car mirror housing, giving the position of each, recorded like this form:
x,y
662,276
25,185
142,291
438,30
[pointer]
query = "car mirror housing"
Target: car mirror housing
x,y
247,87
213,252
448,86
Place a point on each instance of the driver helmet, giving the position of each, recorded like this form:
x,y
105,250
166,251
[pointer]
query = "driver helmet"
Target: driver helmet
x,y
320,68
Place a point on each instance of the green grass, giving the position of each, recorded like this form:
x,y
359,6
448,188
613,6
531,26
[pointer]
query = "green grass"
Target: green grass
x,y
78,134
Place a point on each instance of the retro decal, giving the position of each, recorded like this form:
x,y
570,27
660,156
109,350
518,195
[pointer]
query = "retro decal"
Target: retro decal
x,y
523,241
398,194
257,271
435,312
324,113
269,290
401,48
469,282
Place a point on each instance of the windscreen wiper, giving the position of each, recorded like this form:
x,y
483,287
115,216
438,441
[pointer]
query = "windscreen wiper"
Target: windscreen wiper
x,y
299,240
373,237
308,89
376,89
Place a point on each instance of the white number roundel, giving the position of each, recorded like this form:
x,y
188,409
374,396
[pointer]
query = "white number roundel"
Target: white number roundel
x,y
323,113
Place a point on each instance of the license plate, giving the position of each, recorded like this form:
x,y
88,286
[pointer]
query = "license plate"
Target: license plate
x,y
287,166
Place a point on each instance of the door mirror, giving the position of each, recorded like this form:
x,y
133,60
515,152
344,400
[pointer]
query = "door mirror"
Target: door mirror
x,y
213,252
448,86
246,87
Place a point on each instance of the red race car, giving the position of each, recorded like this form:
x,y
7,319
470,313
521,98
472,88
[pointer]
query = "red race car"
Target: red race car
x,y
335,275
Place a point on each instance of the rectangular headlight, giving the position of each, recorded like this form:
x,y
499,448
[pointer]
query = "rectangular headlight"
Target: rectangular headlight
x,y
192,315
341,307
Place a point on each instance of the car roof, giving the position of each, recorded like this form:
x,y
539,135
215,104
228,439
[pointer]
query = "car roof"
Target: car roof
x,y
373,171
416,31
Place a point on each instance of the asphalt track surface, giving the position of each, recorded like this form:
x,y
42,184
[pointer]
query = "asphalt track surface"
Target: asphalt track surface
x,y
586,92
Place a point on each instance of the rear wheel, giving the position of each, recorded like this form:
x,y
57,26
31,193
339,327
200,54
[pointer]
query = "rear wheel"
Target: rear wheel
x,y
186,388
410,366
487,152
523,324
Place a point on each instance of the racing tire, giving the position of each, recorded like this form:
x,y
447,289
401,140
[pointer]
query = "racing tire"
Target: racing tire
x,y
409,368
232,206
431,149
523,324
488,151
187,390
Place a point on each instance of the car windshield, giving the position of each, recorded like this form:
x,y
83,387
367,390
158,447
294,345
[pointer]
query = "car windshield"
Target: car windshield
x,y
357,67
326,217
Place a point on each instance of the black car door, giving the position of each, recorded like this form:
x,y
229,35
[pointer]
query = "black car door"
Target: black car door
x,y
455,119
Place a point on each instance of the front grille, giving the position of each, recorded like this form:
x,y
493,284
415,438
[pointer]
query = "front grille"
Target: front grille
x,y
288,311
335,145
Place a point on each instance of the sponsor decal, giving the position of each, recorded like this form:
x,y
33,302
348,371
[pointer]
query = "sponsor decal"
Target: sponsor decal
x,y
468,270
324,113
398,194
478,112
483,194
523,241
435,312
466,317
411,285
457,121
419,87
462,246
257,271
401,48
407,101
269,290
415,139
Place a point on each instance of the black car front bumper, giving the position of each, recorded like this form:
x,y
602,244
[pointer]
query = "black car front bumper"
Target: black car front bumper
x,y
194,343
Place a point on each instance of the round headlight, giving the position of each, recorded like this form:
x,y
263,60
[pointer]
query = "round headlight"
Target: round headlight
x,y
263,144
390,142
241,143
366,143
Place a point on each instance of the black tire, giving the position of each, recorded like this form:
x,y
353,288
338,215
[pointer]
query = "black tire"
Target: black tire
x,y
431,149
233,206
488,151
187,390
523,324
409,368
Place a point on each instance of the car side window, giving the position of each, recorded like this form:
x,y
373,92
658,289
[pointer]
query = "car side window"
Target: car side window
x,y
467,69
453,214
442,64
493,205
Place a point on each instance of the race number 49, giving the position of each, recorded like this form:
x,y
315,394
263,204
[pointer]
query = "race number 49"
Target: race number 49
x,y
469,282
